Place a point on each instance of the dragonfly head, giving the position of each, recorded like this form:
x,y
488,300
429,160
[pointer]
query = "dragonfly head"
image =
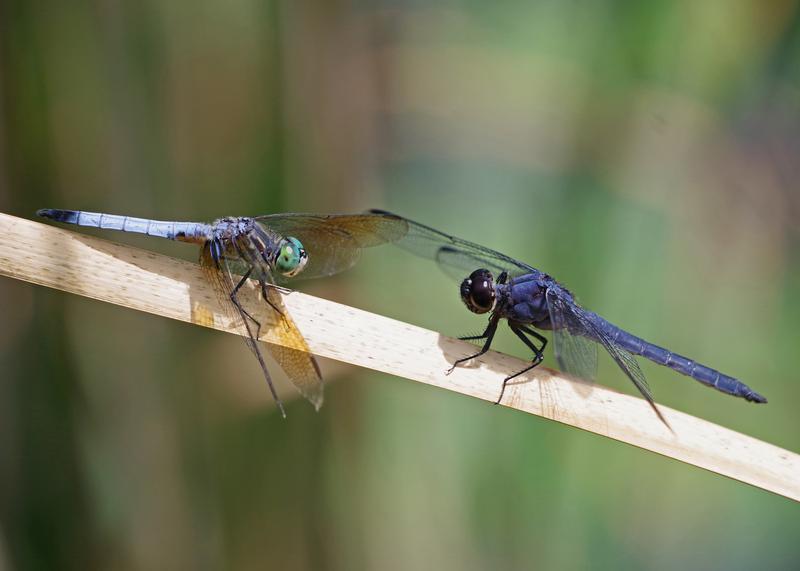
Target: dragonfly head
x,y
477,291
292,257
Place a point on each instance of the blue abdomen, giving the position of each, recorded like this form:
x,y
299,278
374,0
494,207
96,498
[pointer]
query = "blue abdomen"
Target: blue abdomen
x,y
679,363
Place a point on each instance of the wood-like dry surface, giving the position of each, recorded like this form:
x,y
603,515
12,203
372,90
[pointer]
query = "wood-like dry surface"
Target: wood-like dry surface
x,y
111,272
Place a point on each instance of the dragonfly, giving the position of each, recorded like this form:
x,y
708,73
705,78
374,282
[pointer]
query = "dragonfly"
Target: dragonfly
x,y
527,298
271,250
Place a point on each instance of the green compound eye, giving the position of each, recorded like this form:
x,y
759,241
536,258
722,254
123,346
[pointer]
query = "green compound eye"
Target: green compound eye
x,y
292,257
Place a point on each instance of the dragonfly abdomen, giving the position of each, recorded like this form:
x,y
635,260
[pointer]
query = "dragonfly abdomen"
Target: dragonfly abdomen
x,y
685,366
183,231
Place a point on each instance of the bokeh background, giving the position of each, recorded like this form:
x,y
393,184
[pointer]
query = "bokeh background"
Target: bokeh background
x,y
647,154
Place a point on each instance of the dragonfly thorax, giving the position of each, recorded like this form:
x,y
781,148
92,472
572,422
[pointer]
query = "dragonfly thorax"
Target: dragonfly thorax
x,y
232,226
243,238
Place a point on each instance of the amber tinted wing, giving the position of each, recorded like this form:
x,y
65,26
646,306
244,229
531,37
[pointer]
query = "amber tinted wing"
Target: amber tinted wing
x,y
273,317
293,355
334,241
223,280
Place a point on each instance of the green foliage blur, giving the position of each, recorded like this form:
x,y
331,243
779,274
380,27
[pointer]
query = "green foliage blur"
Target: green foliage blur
x,y
645,154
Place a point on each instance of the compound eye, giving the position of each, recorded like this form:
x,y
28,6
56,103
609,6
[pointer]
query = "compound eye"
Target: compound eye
x,y
292,257
477,291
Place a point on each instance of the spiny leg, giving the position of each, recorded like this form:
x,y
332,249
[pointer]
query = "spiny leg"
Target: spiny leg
x,y
220,262
284,290
541,338
235,300
251,340
520,331
473,337
265,295
488,334
254,346
243,257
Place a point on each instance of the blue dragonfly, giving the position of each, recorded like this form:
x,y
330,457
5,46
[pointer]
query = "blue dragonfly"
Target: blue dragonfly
x,y
271,249
525,297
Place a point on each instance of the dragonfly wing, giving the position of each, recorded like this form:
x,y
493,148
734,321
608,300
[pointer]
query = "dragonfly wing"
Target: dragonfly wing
x,y
458,263
584,325
457,257
224,277
627,362
295,360
334,241
293,355
575,353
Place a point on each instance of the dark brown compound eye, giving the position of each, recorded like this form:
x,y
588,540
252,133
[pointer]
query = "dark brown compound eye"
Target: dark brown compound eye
x,y
477,291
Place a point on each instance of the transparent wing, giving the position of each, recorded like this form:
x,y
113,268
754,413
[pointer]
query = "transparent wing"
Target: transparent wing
x,y
299,365
579,323
575,353
456,257
294,357
458,263
224,279
627,362
334,241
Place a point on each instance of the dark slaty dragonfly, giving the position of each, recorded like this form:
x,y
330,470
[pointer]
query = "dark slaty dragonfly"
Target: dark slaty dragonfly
x,y
270,249
524,296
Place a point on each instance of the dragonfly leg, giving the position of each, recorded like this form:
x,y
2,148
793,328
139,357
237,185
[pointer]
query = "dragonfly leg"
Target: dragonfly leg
x,y
473,337
237,303
276,287
539,337
265,294
251,340
283,290
520,331
488,334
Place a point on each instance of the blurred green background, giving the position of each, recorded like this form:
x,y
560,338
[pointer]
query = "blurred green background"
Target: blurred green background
x,y
646,154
